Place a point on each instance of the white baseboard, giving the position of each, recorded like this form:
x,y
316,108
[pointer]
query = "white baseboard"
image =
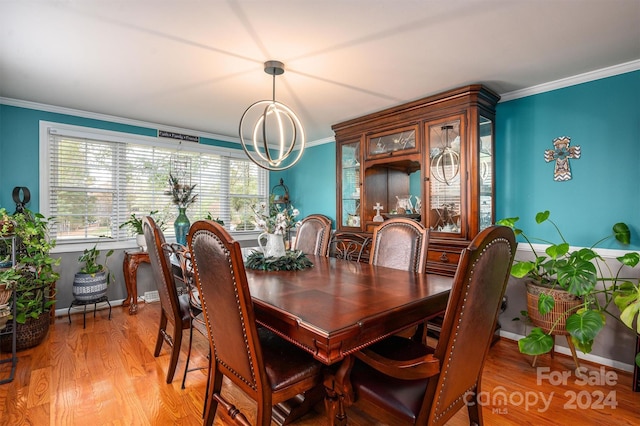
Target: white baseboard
x,y
587,357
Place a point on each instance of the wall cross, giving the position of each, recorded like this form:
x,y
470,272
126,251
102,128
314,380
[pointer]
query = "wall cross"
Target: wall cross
x,y
562,153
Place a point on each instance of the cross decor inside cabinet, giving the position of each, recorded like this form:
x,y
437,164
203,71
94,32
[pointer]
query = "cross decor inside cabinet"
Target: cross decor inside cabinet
x,y
429,160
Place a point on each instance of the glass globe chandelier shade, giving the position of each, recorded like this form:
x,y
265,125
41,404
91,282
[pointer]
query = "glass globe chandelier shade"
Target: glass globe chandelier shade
x,y
270,131
445,166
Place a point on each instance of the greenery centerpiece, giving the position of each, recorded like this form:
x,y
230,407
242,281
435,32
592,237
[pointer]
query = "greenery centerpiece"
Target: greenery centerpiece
x,y
182,195
584,274
275,220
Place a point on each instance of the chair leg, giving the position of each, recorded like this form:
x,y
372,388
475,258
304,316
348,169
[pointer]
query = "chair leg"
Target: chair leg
x,y
206,390
175,352
211,404
186,366
161,329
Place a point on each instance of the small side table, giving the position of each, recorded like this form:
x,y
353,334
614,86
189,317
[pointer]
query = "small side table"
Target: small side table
x,y
85,303
130,271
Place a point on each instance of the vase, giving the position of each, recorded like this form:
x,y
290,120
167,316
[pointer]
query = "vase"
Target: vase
x,y
141,242
181,226
273,246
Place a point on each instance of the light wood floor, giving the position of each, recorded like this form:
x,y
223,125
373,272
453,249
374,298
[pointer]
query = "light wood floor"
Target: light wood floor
x,y
106,375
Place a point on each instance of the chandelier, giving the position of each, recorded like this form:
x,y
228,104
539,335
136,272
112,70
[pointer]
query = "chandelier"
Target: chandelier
x,y
445,166
270,130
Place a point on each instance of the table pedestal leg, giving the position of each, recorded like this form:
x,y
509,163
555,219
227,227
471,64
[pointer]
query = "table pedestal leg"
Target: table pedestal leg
x,y
339,393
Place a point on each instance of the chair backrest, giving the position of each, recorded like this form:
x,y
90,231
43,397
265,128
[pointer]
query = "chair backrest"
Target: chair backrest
x,y
469,322
350,246
400,243
159,252
228,310
313,235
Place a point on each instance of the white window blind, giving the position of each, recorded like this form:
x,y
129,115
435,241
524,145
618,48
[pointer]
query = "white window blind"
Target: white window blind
x,y
95,182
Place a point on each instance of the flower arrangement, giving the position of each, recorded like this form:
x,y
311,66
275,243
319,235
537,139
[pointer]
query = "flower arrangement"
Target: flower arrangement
x,y
182,195
273,218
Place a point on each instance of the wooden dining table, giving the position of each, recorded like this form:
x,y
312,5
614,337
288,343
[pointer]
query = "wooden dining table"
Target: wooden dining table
x,y
338,307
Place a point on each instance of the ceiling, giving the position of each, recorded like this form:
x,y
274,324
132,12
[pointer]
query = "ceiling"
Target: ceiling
x,y
198,65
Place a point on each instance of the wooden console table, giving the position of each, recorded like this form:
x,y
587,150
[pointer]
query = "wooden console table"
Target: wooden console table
x,y
130,270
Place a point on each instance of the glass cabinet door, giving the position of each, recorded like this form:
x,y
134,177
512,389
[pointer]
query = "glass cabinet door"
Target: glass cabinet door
x,y
486,172
400,141
445,203
350,196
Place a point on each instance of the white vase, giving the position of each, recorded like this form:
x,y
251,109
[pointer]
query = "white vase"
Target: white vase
x,y
273,246
141,242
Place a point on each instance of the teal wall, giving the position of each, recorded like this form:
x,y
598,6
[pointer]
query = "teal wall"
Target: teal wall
x,y
19,147
603,118
312,182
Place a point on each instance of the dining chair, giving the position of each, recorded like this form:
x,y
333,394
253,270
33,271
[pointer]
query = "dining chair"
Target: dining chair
x,y
313,234
350,246
175,308
404,382
400,243
269,369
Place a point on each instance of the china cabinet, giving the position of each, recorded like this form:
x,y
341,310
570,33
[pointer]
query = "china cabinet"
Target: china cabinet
x,y
431,160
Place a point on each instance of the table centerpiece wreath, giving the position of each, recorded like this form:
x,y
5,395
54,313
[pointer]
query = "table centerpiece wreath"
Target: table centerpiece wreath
x,y
293,260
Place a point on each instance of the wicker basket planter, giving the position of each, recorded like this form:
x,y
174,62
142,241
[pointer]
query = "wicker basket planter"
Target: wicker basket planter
x,y
89,287
28,335
565,305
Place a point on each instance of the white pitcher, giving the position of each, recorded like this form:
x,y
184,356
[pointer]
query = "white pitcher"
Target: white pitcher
x,y
274,246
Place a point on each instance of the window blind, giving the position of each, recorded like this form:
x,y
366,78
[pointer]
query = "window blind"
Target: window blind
x,y
94,185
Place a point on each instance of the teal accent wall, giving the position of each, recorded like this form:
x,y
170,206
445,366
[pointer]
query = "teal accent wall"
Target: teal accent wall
x,y
603,118
19,147
312,181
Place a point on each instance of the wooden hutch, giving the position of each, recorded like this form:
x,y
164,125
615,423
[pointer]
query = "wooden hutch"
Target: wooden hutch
x,y
440,150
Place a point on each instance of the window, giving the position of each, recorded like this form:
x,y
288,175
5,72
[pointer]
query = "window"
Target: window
x,y
93,180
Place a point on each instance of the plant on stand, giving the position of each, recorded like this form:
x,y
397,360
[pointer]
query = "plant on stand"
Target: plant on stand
x,y
182,196
583,275
91,282
36,285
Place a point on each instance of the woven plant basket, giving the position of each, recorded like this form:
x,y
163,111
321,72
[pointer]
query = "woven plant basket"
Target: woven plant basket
x,y
565,305
28,335
5,294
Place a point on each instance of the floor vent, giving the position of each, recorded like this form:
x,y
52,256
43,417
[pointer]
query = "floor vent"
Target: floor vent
x,y
151,296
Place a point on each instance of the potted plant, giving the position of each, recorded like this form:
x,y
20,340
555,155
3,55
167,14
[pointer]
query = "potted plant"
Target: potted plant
x,y
35,287
91,282
135,226
583,275
8,279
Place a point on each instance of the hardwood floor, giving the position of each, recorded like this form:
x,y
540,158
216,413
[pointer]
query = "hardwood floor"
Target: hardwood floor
x,y
106,375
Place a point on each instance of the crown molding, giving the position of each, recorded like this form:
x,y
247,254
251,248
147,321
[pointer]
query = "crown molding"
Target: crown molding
x,y
572,81
516,94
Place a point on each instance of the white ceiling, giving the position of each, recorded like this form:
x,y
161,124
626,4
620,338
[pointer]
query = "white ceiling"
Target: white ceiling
x,y
199,64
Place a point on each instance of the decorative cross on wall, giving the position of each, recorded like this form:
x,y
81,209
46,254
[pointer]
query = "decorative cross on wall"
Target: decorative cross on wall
x,y
562,154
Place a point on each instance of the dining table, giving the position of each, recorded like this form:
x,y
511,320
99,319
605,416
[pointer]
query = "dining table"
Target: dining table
x,y
338,307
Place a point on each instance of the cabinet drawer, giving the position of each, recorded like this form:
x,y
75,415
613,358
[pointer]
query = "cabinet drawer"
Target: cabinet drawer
x,y
446,256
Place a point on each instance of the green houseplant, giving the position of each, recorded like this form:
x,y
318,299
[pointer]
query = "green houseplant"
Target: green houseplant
x,y
91,282
582,273
36,283
134,224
